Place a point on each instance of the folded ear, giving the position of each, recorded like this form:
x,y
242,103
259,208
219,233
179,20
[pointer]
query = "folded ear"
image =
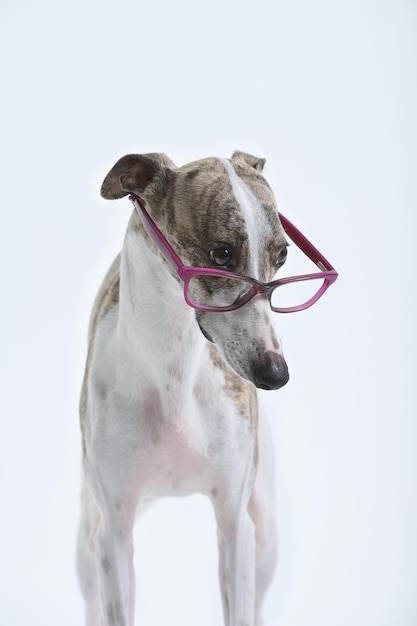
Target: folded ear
x,y
136,173
253,161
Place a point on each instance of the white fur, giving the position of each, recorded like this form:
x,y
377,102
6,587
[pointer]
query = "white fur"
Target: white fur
x,y
257,226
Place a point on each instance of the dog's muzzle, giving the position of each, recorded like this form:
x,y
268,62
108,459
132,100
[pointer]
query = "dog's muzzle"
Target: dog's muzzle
x,y
270,372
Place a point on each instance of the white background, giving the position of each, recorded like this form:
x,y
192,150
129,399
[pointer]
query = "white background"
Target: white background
x,y
326,91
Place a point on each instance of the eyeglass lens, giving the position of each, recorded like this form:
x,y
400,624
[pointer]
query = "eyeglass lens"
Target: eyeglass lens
x,y
217,291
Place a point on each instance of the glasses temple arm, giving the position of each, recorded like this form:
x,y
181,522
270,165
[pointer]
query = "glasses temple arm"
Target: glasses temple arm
x,y
175,262
155,234
305,245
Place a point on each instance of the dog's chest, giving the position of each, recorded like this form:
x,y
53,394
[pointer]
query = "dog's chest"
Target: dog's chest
x,y
169,421
175,462
181,444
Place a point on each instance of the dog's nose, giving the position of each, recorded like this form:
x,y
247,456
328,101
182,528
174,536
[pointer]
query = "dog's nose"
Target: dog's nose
x,y
271,372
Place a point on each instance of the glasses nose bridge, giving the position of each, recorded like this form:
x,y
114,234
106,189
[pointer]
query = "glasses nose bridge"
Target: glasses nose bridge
x,y
263,290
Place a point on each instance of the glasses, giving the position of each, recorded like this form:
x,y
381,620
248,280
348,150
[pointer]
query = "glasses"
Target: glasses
x,y
208,289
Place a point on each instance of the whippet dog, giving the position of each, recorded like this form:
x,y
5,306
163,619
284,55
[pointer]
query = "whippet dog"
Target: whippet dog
x,y
169,404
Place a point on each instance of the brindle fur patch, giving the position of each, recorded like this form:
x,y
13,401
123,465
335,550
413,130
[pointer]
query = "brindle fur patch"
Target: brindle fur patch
x,y
243,394
107,298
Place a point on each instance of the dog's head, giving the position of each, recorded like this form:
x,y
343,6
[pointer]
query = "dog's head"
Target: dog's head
x,y
218,213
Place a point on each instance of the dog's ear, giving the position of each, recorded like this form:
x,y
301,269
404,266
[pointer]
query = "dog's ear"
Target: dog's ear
x,y
135,173
253,161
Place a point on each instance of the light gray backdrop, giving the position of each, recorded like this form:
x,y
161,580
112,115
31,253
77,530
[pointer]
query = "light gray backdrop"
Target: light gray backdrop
x,y
326,91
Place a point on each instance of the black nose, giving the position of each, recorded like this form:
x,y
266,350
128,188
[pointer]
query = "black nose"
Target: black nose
x,y
271,372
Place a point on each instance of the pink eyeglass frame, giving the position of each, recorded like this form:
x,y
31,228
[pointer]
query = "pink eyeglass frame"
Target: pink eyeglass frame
x,y
328,274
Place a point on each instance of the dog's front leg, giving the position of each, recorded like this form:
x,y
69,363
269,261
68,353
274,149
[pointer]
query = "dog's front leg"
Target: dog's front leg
x,y
237,571
115,564
236,541
116,503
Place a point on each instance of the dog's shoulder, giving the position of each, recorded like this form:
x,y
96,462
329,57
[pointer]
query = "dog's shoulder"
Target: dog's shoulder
x,y
107,297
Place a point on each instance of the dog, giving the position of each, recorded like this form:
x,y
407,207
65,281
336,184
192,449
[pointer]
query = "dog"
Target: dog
x,y
169,404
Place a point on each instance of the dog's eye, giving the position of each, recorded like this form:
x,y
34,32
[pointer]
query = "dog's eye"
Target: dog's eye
x,y
221,256
282,257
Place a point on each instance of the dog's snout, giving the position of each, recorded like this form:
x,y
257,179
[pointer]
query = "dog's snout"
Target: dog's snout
x,y
271,372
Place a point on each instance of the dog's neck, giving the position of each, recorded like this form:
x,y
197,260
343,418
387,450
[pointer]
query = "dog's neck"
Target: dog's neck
x,y
154,319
